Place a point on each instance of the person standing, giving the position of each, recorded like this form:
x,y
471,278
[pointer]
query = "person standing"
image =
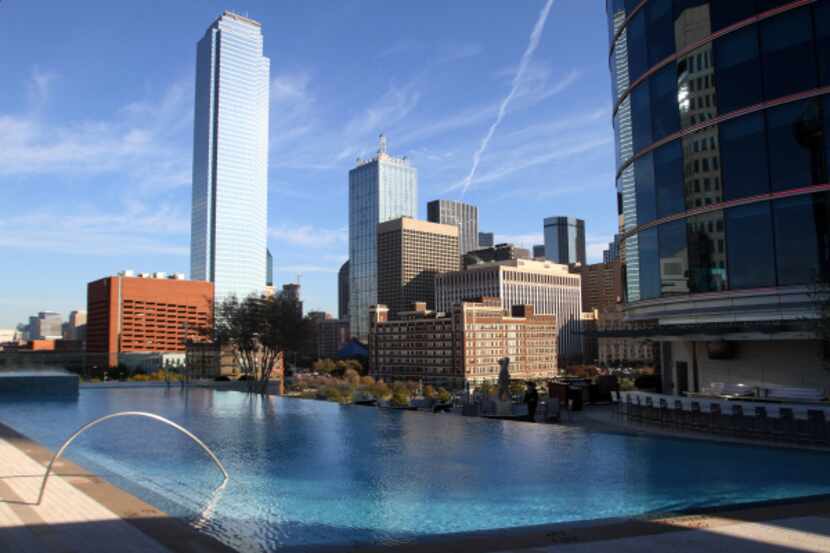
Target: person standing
x,y
532,400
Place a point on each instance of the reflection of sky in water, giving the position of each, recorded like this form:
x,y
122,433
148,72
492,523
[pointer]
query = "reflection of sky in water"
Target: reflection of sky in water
x,y
315,472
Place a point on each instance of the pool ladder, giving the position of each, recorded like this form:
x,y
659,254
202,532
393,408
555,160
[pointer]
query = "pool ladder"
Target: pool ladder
x,y
159,418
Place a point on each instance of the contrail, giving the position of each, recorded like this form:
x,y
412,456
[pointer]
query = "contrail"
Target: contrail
x,y
535,36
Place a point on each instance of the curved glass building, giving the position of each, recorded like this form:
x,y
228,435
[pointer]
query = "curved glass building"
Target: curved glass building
x,y
721,120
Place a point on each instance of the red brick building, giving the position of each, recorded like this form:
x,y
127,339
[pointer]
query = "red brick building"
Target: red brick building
x,y
147,313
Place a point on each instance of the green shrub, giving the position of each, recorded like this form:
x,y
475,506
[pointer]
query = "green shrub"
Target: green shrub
x,y
444,396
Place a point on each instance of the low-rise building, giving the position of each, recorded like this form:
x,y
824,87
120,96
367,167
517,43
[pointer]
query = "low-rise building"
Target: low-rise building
x,y
549,287
410,254
601,285
622,342
332,334
462,347
150,313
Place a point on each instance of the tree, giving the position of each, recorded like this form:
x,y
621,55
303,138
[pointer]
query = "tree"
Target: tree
x,y
260,330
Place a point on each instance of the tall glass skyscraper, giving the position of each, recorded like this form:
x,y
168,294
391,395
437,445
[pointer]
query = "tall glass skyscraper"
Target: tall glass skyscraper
x,y
230,158
565,240
380,189
464,216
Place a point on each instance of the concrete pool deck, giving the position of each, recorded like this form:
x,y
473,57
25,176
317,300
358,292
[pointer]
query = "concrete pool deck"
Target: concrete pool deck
x,y
82,513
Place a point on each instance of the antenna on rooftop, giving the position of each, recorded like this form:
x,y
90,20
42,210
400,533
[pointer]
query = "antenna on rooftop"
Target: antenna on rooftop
x,y
382,144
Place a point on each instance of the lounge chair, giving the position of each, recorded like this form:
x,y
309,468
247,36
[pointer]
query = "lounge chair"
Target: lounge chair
x,y
760,423
716,421
783,428
738,423
680,415
817,426
697,422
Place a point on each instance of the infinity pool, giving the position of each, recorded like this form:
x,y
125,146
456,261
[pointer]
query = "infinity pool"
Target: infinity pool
x,y
306,472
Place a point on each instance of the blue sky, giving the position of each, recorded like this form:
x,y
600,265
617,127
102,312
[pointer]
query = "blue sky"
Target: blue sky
x,y
96,118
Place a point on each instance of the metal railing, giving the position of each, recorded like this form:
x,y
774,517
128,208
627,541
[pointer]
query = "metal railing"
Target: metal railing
x,y
159,418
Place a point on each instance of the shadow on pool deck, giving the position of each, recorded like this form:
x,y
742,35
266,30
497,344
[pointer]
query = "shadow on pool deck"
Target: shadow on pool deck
x,y
788,534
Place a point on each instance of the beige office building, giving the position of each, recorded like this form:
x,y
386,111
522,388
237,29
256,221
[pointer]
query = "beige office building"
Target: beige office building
x,y
463,346
410,254
549,287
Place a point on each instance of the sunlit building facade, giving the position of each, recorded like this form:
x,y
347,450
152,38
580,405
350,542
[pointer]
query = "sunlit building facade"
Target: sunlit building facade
x,y
721,113
380,189
230,159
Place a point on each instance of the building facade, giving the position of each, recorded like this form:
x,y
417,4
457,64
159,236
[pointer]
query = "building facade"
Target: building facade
x,y
549,287
486,240
380,189
76,326
601,285
539,251
230,159
464,216
48,325
410,255
613,251
343,292
622,343
332,334
145,314
462,347
721,116
565,240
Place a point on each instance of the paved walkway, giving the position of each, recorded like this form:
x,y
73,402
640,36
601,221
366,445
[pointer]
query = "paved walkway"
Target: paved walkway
x,y
801,534
80,513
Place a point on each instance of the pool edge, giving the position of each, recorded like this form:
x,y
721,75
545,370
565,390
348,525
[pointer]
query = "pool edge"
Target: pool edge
x,y
168,531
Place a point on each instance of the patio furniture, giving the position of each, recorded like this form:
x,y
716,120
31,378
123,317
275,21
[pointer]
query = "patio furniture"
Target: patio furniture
x,y
681,416
817,426
637,409
651,414
783,428
665,412
738,423
760,423
716,420
697,422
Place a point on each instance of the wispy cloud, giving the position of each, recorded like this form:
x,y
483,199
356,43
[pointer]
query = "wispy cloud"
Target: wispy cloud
x,y
395,104
533,43
38,86
138,141
131,229
457,52
309,236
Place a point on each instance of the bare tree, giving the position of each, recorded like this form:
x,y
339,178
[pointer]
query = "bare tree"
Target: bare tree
x,y
259,331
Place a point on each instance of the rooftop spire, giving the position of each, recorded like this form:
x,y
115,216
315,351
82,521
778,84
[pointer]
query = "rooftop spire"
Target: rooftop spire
x,y
382,144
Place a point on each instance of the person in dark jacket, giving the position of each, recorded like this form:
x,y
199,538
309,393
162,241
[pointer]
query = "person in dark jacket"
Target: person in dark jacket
x,y
532,400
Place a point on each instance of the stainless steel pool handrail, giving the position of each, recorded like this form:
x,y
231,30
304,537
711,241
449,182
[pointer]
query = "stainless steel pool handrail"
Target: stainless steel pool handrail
x,y
153,416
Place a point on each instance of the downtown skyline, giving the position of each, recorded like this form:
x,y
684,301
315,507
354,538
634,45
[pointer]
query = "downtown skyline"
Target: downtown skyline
x,y
96,187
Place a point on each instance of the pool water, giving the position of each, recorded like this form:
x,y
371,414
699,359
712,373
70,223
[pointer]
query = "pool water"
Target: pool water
x,y
306,472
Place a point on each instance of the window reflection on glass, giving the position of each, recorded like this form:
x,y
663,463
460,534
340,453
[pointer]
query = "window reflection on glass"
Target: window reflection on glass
x,y
674,263
696,100
795,134
802,238
707,252
750,249
649,264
